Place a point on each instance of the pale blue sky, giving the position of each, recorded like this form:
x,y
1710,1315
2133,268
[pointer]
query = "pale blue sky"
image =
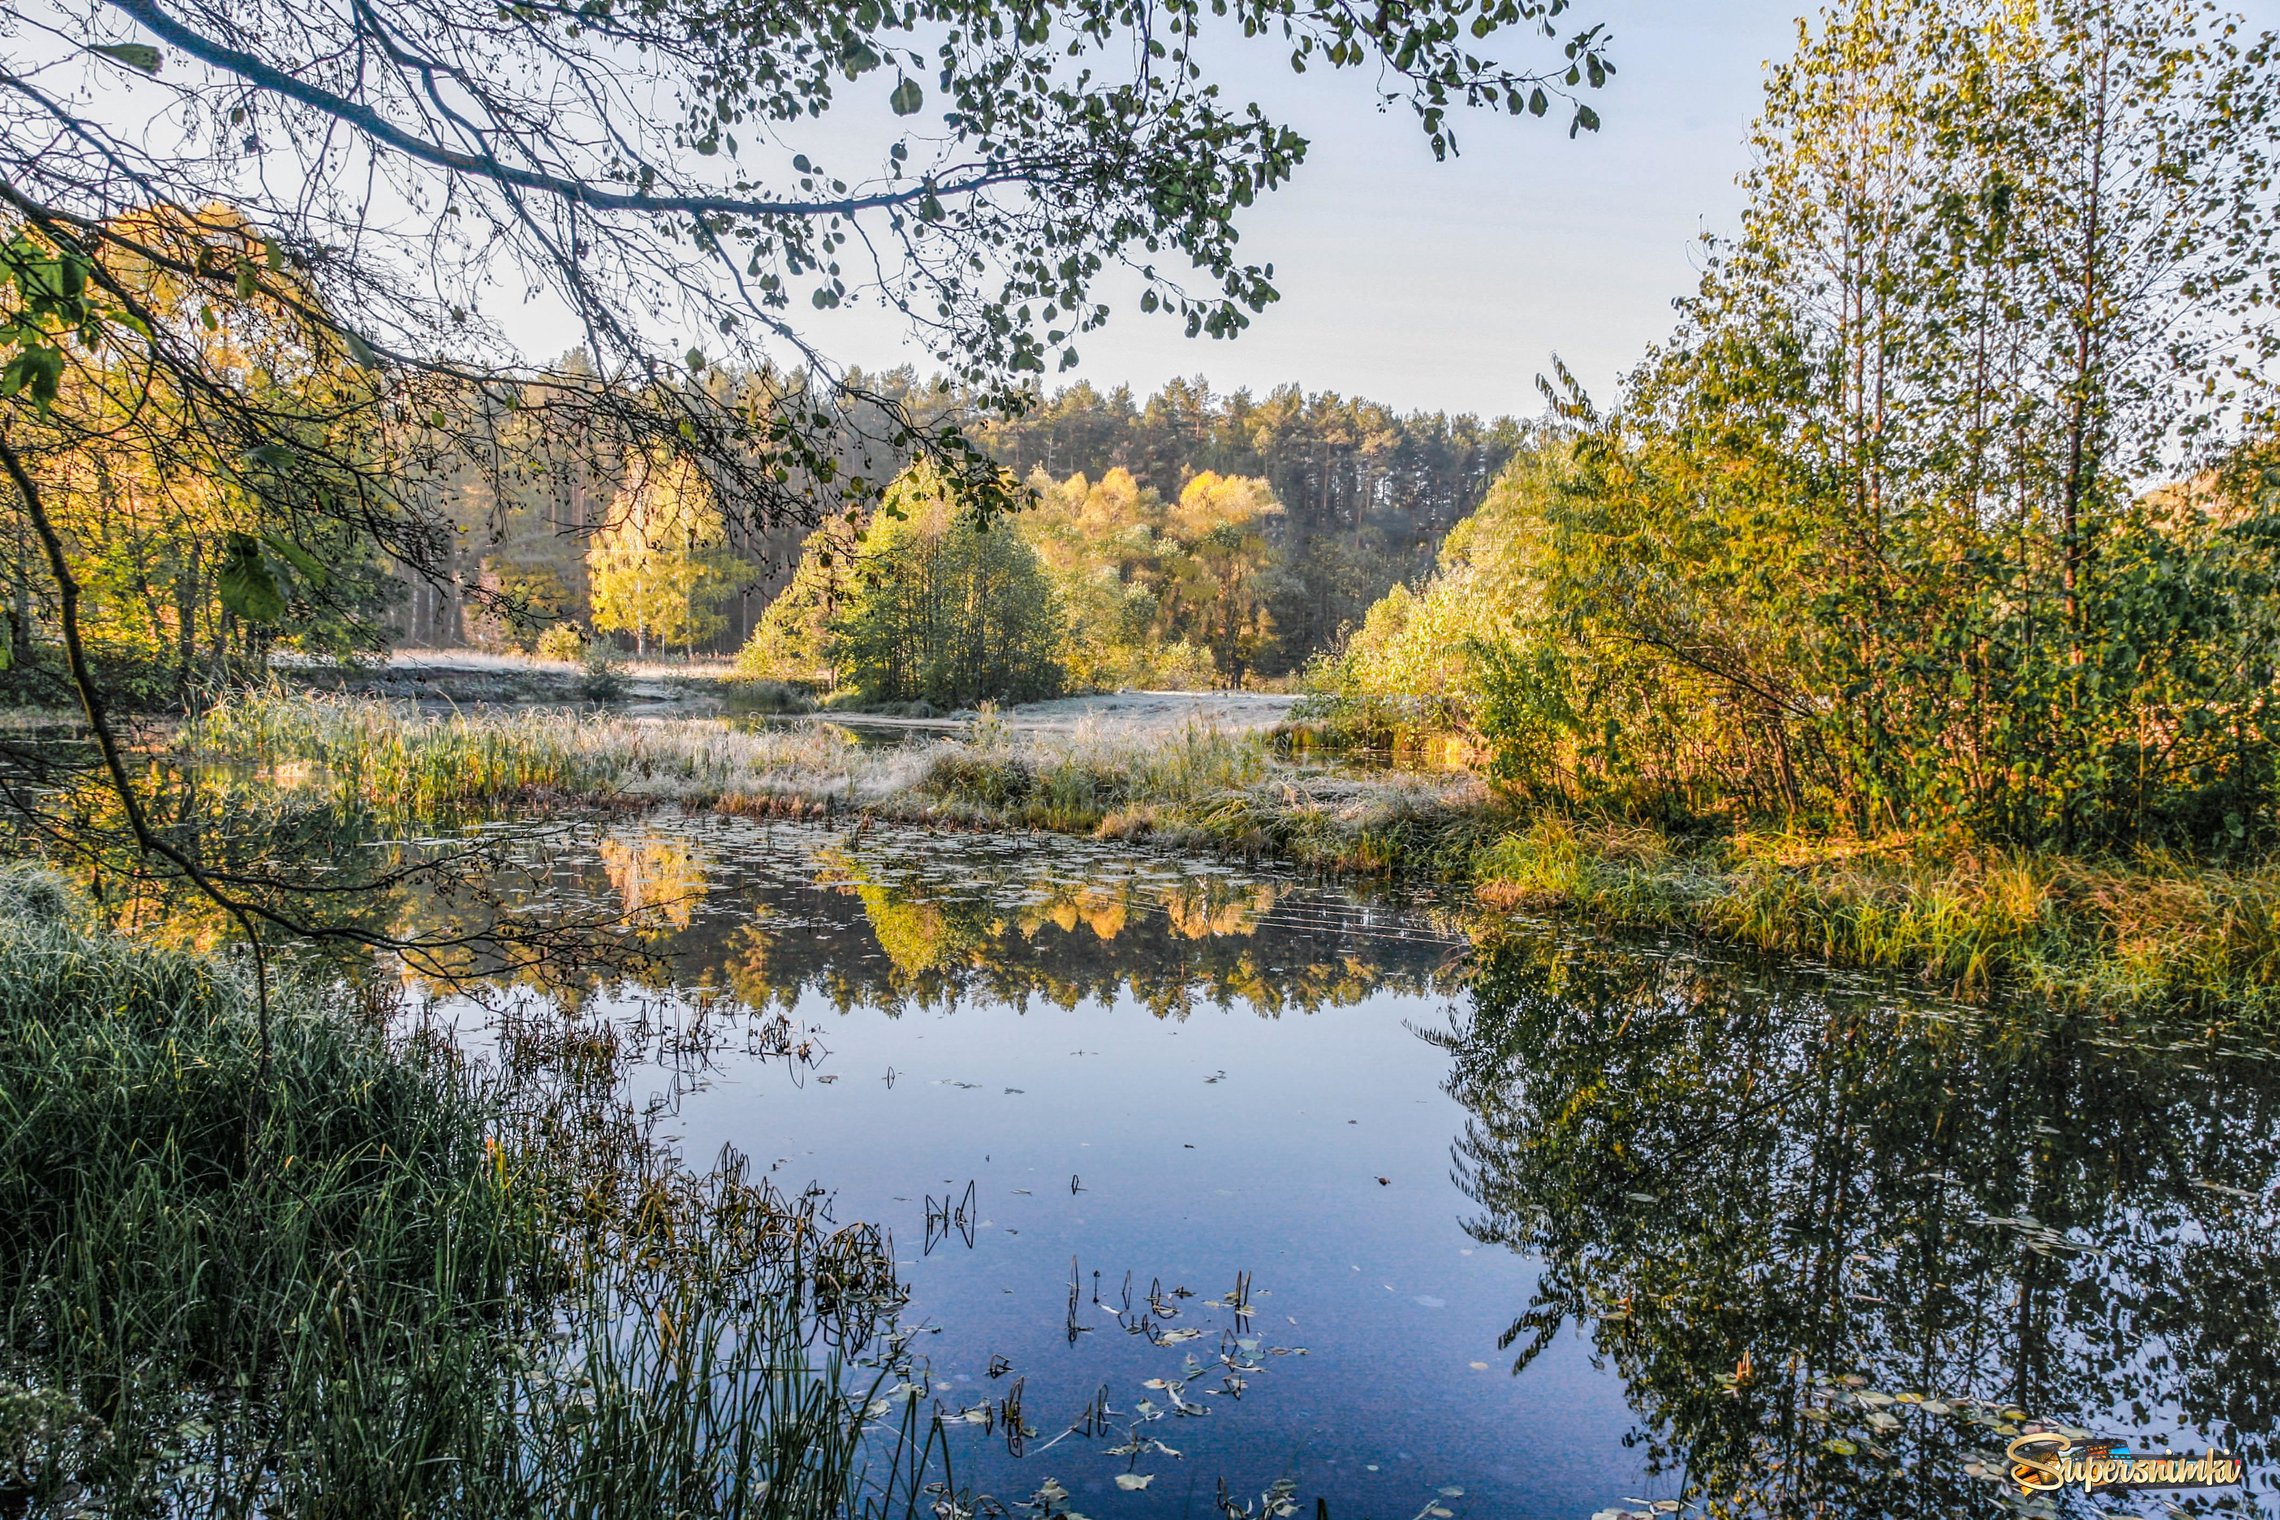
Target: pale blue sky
x,y
1442,285
1451,285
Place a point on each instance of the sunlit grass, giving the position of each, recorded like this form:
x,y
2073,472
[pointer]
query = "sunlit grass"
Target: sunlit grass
x,y
2090,933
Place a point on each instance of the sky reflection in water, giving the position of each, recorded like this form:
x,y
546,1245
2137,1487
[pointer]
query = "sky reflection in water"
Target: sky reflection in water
x,y
1747,1186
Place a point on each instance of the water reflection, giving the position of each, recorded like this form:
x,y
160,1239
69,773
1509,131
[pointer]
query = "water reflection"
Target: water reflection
x,y
1838,1249
1831,1244
898,920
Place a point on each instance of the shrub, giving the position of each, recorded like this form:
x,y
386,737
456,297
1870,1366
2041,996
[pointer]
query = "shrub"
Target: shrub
x,y
563,641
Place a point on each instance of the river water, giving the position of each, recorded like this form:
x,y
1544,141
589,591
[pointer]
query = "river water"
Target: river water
x,y
1206,1179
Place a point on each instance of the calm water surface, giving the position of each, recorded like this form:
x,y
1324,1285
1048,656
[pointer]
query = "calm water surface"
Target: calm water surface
x,y
1229,1178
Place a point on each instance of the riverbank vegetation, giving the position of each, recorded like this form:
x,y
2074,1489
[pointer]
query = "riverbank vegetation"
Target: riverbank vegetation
x,y
287,1260
2108,933
1916,603
1874,543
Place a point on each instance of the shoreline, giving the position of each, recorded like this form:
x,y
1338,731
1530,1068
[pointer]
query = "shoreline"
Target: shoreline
x,y
2102,936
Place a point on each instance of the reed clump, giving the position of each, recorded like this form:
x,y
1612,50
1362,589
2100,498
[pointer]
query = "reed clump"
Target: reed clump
x,y
358,1275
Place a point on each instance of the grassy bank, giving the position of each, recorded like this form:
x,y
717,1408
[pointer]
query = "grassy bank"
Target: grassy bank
x,y
2104,935
1196,787
361,1277
2095,934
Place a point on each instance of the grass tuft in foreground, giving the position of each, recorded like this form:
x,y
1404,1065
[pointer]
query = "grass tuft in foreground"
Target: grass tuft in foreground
x,y
383,1281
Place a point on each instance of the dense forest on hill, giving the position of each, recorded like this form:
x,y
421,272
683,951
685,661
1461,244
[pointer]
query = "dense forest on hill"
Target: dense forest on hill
x,y
1366,494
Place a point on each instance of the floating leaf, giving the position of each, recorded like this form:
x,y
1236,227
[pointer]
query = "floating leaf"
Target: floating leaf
x,y
1134,1482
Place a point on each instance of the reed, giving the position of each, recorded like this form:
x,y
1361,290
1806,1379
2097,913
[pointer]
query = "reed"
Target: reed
x,y
383,1280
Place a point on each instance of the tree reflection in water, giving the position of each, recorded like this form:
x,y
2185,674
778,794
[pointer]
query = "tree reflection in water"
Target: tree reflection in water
x,y
1839,1243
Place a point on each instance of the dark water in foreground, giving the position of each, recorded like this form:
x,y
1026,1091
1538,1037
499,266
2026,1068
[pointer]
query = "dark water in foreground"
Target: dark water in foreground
x,y
1220,1176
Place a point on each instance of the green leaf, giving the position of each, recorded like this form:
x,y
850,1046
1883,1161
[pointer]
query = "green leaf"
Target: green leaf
x,y
312,569
139,56
36,370
908,97
247,588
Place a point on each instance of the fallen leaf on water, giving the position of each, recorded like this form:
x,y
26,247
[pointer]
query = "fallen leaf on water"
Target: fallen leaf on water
x,y
1132,1482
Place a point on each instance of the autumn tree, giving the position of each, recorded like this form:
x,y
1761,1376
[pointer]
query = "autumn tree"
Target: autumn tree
x,y
945,608
1225,569
1105,546
655,564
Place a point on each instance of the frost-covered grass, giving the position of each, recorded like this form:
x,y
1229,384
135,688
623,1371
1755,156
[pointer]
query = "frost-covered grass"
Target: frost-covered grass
x,y
398,759
2094,933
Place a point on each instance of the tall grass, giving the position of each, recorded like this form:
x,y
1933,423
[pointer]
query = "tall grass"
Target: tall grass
x,y
399,760
384,1282
2087,933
